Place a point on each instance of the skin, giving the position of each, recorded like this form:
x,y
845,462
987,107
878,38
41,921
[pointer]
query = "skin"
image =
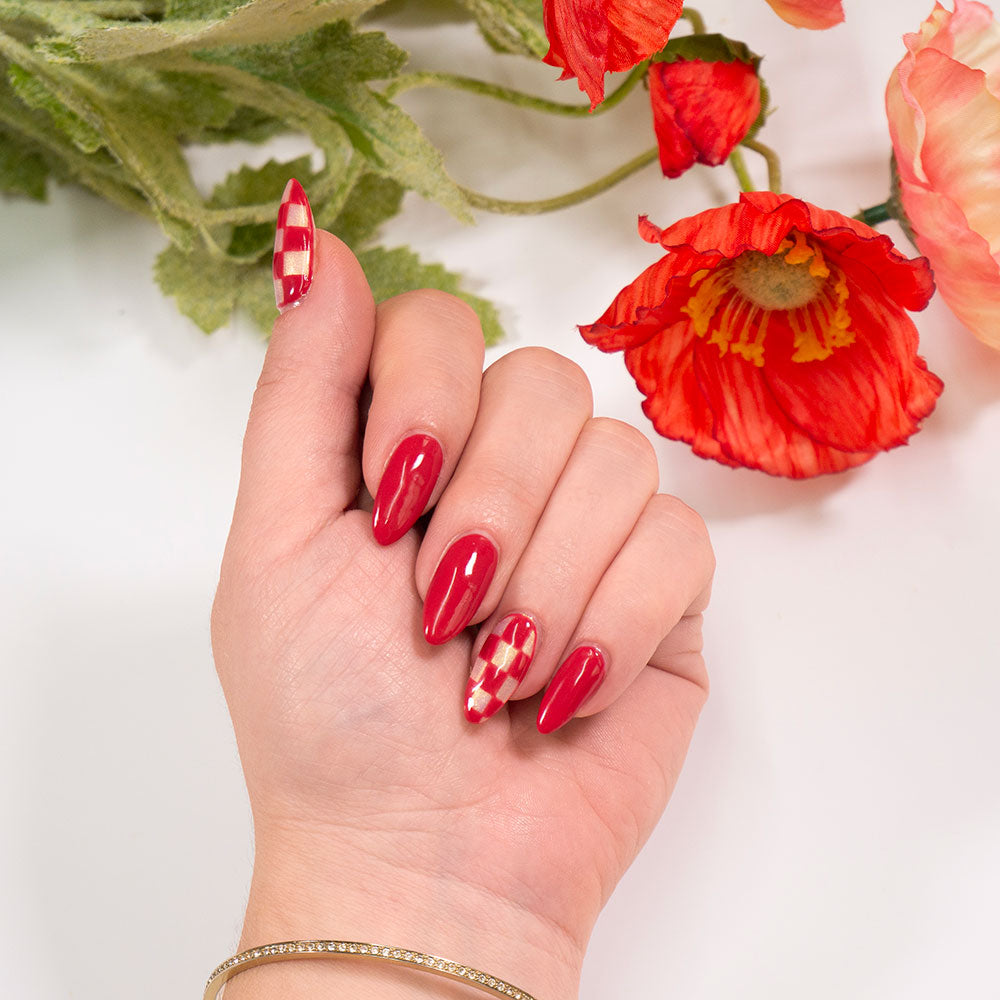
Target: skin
x,y
380,813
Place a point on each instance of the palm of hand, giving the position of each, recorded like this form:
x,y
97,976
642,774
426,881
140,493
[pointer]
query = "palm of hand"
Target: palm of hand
x,y
365,730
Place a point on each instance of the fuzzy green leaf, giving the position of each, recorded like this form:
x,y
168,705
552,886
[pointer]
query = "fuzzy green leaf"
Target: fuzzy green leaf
x,y
251,23
511,25
204,286
23,169
255,186
371,202
199,10
37,95
391,272
328,66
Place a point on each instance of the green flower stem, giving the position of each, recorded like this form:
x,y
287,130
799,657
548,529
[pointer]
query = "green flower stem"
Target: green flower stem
x,y
773,163
739,166
501,207
876,214
451,81
695,19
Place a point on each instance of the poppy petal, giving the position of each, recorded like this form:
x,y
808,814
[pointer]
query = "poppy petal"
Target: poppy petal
x,y
752,428
701,110
809,13
857,399
663,370
635,315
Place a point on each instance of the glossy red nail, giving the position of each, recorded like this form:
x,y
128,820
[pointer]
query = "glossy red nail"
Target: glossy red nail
x,y
293,247
405,487
458,587
574,682
500,667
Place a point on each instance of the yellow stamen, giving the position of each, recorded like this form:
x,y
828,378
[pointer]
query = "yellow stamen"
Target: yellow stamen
x,y
731,305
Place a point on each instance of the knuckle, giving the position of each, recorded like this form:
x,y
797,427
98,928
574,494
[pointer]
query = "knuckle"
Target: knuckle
x,y
677,518
553,374
443,307
629,445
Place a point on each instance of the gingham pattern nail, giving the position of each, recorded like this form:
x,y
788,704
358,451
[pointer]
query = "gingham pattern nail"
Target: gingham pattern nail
x,y
500,667
293,247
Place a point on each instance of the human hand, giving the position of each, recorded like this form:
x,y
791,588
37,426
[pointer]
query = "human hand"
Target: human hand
x,y
380,812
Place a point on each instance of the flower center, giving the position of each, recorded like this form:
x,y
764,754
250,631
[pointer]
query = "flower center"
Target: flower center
x,y
775,282
733,304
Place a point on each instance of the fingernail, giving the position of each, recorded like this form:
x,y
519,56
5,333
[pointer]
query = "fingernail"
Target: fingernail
x,y
500,667
458,586
574,682
405,487
293,247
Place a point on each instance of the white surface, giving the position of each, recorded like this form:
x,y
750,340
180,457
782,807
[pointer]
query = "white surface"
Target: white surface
x,y
837,830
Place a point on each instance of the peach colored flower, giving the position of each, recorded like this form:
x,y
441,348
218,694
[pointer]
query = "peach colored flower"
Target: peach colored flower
x,y
809,13
943,103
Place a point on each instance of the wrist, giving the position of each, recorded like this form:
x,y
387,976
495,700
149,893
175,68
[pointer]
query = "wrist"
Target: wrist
x,y
340,884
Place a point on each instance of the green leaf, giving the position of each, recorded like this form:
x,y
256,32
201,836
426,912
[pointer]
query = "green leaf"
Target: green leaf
x,y
23,169
329,66
204,286
511,25
371,202
250,23
255,186
36,94
391,272
199,10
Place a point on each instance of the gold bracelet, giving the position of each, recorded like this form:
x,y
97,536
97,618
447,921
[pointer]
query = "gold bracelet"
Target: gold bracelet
x,y
293,950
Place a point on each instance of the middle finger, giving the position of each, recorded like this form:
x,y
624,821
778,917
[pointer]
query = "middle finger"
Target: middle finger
x,y
533,404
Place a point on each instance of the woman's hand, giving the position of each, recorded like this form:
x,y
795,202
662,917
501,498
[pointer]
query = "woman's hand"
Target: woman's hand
x,y
381,812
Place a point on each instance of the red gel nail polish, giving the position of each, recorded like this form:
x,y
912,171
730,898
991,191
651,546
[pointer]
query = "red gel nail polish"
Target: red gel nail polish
x,y
406,485
293,247
574,682
458,587
500,667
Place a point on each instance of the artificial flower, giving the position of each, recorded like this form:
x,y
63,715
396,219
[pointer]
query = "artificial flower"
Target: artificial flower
x,y
809,13
588,38
943,102
774,335
702,107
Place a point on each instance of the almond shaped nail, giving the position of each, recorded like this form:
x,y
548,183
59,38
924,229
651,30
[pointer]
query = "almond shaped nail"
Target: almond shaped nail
x,y
579,676
500,667
406,485
294,238
458,587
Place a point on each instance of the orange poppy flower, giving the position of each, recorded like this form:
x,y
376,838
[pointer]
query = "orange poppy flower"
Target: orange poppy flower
x,y
774,335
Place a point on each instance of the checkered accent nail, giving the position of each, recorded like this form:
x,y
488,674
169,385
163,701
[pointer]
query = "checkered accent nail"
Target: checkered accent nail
x,y
500,667
293,247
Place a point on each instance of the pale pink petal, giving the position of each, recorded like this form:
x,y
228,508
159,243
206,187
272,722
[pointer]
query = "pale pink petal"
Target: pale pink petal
x,y
961,148
967,274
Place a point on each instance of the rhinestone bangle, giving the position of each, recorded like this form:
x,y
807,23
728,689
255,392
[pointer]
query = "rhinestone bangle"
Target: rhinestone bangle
x,y
295,950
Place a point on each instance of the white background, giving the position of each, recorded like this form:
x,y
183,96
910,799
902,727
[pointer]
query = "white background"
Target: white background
x,y
836,832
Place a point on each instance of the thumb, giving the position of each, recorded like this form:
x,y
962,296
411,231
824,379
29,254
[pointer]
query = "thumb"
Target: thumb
x,y
301,456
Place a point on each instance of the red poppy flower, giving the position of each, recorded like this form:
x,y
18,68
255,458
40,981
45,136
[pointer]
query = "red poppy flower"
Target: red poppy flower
x,y
774,335
702,109
588,38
